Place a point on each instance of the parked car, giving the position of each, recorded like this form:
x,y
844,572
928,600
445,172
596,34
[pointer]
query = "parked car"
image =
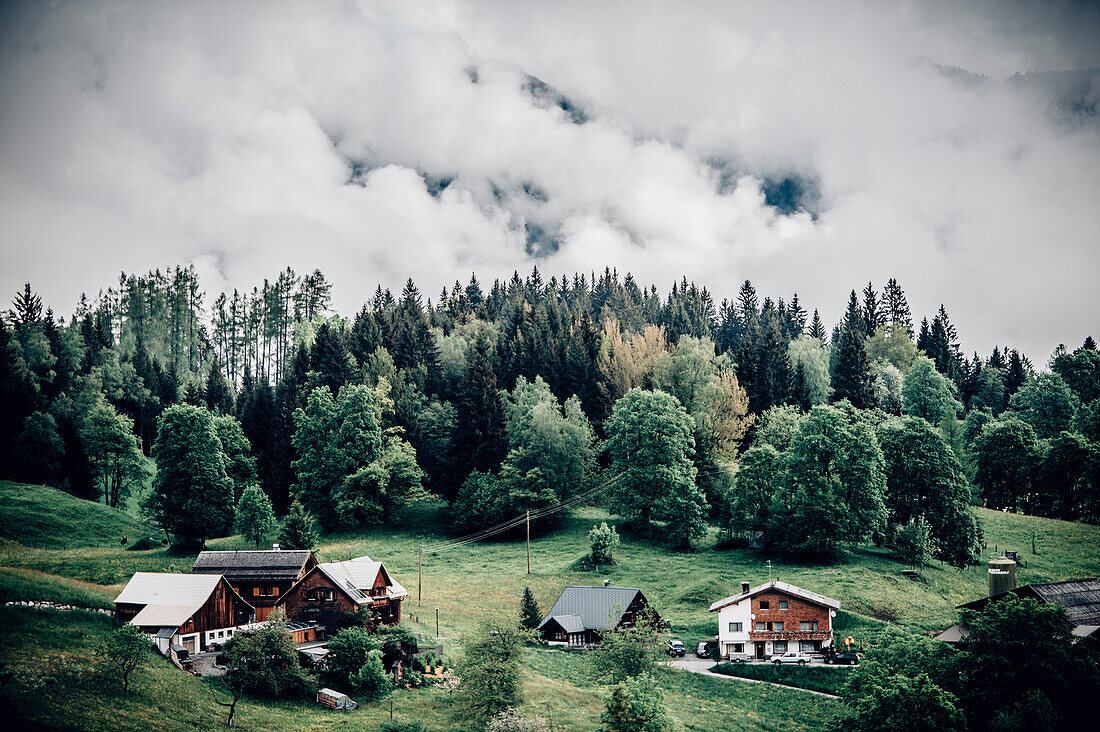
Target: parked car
x,y
791,657
701,650
843,659
676,648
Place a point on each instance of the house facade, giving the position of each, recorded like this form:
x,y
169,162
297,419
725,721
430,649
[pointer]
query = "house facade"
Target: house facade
x,y
331,590
193,611
582,613
772,619
260,577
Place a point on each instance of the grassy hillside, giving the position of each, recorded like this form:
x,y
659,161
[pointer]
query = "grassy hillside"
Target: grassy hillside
x,y
40,516
473,582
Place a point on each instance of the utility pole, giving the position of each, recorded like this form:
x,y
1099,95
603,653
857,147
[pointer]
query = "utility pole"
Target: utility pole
x,y
419,575
528,542
437,621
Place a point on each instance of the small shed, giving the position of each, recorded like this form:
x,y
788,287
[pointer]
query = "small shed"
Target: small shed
x,y
330,699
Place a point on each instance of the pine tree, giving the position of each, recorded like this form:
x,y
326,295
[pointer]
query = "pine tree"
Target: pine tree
x,y
817,328
897,307
873,314
299,528
219,399
330,359
852,376
1089,344
529,615
481,442
27,307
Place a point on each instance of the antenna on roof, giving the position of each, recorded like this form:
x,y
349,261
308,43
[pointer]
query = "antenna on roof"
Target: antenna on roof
x,y
769,570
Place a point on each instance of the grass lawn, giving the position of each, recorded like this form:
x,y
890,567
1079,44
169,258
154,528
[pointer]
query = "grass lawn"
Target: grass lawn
x,y
70,553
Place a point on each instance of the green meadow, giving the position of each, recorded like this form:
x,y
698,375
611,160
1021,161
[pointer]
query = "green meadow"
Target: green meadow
x,y
57,548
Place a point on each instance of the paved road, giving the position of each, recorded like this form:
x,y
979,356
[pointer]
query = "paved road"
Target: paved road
x,y
702,666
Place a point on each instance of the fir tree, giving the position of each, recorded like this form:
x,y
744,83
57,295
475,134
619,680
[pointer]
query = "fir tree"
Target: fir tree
x,y
529,615
299,528
219,399
482,442
852,377
817,328
330,359
874,314
897,307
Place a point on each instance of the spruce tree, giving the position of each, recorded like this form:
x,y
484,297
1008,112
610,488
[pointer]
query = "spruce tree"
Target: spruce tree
x,y
897,307
480,440
219,399
817,328
330,359
852,376
299,528
874,314
529,615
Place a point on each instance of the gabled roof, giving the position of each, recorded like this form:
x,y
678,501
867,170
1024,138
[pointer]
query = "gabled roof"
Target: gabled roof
x,y
781,587
1080,598
169,599
245,565
593,608
355,577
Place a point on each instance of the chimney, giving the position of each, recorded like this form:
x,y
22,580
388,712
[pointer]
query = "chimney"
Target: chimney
x,y
607,583
274,547
744,588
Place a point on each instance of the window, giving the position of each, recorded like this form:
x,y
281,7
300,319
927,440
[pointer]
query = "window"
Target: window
x,y
809,646
735,627
777,627
782,604
779,646
761,626
810,625
764,605
221,633
732,648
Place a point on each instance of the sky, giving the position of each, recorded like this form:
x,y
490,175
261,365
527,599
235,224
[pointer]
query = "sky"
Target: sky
x,y
809,147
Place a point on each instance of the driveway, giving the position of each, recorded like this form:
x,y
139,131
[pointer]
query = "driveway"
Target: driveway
x,y
703,665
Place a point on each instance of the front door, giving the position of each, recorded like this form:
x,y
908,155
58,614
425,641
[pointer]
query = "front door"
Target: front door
x,y
759,649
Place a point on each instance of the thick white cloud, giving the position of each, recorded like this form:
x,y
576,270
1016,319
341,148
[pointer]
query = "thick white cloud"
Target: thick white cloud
x,y
247,137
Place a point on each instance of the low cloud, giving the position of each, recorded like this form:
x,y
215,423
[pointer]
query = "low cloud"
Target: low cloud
x,y
807,147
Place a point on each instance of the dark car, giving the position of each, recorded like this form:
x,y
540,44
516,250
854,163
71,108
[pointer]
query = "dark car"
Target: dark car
x,y
843,659
676,648
702,650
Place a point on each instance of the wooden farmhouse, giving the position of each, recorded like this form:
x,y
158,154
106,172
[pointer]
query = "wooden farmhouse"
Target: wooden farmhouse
x,y
331,590
260,577
772,619
195,611
582,613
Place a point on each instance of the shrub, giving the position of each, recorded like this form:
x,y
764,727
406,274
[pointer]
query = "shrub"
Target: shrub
x,y
371,681
604,540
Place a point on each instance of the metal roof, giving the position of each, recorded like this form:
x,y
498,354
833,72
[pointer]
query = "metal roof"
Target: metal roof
x,y
166,632
259,564
341,579
781,587
164,588
1080,598
356,577
569,623
596,608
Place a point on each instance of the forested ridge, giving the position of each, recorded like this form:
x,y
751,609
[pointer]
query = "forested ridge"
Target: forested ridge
x,y
676,410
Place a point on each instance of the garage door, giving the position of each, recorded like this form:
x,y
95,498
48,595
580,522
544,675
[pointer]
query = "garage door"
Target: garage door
x,y
189,644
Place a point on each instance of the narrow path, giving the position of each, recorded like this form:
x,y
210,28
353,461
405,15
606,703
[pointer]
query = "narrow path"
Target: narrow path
x,y
702,666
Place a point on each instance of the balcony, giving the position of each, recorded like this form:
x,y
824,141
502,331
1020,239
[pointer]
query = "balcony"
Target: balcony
x,y
789,635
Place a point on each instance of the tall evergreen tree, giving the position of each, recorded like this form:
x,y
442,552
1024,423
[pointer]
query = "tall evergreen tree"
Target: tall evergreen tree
x,y
481,440
897,306
852,375
219,399
330,359
817,328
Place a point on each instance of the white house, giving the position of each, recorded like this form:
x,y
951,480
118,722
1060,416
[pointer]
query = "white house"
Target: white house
x,y
772,619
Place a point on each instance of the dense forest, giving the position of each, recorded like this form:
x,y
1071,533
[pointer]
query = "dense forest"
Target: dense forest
x,y
535,395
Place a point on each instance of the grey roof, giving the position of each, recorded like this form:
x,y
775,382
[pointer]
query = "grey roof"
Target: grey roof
x,y
569,623
782,587
345,583
1080,598
169,599
166,633
954,634
596,608
245,565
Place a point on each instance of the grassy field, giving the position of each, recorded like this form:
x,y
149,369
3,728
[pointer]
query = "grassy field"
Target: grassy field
x,y
78,560
819,678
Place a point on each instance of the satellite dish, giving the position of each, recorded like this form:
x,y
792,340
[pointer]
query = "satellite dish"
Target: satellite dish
x,y
752,616
832,613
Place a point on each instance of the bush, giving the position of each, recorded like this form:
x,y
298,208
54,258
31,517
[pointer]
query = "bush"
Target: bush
x,y
348,651
371,681
412,678
604,540
144,545
828,680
